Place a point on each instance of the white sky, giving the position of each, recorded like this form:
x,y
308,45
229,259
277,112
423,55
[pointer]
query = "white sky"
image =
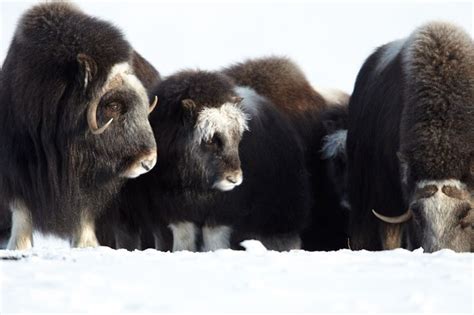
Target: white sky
x,y
328,39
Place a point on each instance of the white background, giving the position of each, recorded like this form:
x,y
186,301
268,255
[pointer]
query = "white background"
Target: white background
x,y
328,39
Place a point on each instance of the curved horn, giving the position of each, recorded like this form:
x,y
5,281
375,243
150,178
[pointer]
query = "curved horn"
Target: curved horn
x,y
153,105
394,220
92,120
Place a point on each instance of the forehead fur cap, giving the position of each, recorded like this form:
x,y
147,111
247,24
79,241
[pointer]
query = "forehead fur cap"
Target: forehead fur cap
x,y
205,88
55,33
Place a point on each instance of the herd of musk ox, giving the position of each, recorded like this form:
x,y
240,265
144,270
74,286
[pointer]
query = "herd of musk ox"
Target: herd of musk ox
x,y
97,148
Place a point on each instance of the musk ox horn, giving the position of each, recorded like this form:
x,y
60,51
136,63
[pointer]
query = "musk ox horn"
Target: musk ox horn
x,y
153,105
394,220
92,120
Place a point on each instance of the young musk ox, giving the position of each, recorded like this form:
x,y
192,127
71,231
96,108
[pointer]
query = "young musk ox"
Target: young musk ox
x,y
284,83
410,143
73,123
231,167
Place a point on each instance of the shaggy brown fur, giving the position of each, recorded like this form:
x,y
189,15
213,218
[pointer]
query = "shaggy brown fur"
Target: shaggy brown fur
x,y
279,79
437,128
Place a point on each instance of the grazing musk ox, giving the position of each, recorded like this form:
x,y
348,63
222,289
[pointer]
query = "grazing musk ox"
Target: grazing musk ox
x,y
229,168
410,143
73,122
315,116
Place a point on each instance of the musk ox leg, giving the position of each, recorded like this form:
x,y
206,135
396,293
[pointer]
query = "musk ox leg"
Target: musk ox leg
x,y
130,240
184,236
22,227
393,236
216,237
280,243
163,238
85,233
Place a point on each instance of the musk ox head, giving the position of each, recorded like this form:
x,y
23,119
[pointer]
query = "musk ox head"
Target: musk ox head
x,y
120,108
211,125
76,77
441,211
216,138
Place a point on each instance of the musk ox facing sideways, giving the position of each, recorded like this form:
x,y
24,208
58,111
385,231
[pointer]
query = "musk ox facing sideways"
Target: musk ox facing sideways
x,y
410,143
73,122
230,168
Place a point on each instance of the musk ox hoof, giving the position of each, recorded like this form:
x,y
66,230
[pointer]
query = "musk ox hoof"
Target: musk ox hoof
x,y
85,237
83,243
20,243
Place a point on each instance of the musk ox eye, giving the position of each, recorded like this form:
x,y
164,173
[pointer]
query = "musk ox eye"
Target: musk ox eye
x,y
463,212
113,109
214,141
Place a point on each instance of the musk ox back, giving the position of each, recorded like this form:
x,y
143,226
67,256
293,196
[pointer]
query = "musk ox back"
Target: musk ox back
x,y
411,143
73,122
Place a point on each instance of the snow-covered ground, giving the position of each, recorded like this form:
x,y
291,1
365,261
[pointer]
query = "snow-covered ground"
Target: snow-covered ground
x,y
105,280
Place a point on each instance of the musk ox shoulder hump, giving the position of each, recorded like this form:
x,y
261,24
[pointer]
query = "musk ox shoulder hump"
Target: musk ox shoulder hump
x,y
437,126
439,53
280,80
58,31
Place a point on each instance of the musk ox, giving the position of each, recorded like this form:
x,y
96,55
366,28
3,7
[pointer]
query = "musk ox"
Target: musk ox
x,y
314,115
73,122
231,167
329,227
410,143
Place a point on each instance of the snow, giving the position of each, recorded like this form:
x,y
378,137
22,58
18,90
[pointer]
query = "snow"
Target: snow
x,y
106,280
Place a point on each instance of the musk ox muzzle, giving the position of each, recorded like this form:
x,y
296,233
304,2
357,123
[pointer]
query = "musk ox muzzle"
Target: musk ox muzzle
x,y
229,180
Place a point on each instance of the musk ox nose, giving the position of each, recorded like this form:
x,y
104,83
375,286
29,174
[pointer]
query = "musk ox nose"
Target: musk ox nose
x,y
234,177
148,164
149,161
229,181
141,166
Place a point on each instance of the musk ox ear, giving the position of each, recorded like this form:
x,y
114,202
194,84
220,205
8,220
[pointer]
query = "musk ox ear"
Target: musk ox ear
x,y
237,100
189,105
87,68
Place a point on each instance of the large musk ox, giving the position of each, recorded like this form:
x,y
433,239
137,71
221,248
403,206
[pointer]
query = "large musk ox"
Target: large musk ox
x,y
73,122
230,168
320,119
410,143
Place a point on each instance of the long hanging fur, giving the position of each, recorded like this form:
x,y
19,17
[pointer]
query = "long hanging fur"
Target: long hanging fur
x,y
413,101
